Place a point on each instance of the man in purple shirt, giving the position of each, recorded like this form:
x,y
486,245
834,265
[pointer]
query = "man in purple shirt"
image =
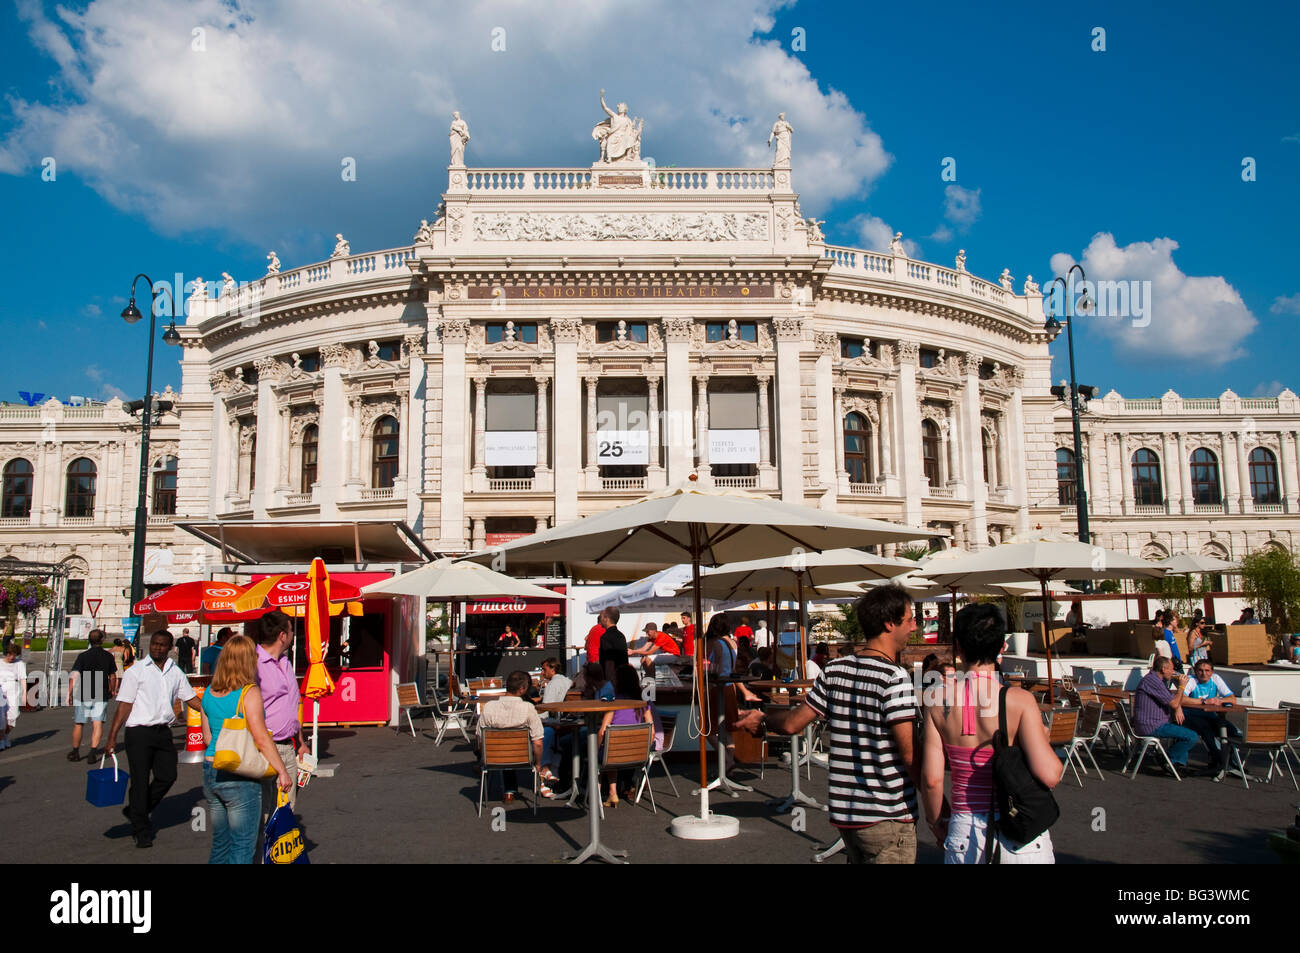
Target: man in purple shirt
x,y
279,687
1158,710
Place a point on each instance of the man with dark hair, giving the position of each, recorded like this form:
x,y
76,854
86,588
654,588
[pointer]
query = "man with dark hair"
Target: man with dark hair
x,y
1206,696
870,704
145,703
208,657
511,711
279,687
688,635
185,647
1158,710
613,644
94,679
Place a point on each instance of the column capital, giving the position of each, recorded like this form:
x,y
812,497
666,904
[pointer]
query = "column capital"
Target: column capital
x,y
909,352
335,355
454,330
971,361
678,329
542,381
480,382
788,327
566,329
827,342
413,344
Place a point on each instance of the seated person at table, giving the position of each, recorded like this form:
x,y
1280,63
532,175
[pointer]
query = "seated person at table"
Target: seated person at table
x,y
1206,697
1158,711
592,683
509,639
511,711
821,655
761,667
1247,617
555,685
627,687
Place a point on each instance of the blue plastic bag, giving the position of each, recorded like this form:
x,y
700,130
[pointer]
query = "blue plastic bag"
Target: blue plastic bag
x,y
284,840
106,787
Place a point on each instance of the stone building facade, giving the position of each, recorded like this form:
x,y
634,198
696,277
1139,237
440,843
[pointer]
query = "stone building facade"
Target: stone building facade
x,y
560,341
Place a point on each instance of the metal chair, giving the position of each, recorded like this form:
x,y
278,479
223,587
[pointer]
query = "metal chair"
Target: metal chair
x,y
670,732
628,746
1145,741
458,712
1265,731
1061,723
408,697
1292,710
505,749
1085,736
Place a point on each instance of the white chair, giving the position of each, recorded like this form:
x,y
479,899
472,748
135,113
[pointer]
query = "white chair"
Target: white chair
x,y
458,712
1142,744
1085,736
670,731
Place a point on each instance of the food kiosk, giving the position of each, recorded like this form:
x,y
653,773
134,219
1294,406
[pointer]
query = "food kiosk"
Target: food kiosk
x,y
539,624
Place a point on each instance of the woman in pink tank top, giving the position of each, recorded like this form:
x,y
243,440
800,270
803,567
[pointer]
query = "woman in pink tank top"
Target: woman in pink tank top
x,y
960,719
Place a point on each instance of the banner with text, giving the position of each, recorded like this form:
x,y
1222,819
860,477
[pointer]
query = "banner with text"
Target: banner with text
x,y
510,448
733,446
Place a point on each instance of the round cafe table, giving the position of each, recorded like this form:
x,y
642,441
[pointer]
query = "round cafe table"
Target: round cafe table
x,y
796,795
593,711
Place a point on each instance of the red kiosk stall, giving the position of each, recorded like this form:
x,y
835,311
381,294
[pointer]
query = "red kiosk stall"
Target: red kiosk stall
x,y
368,654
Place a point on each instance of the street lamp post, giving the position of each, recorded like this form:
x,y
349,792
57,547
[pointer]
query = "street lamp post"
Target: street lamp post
x,y
131,314
1076,390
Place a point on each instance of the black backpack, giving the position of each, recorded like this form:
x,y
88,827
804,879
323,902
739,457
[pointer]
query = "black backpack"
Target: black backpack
x,y
1025,805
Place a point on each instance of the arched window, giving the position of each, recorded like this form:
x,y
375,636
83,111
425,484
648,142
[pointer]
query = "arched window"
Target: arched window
x,y
931,448
17,503
1205,477
80,499
383,455
310,450
857,448
164,486
1065,477
1147,488
1263,476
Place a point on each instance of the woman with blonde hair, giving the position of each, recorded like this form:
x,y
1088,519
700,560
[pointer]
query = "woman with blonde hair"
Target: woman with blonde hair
x,y
236,802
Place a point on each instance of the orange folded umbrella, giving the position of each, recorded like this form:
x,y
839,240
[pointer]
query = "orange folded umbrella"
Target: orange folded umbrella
x,y
317,683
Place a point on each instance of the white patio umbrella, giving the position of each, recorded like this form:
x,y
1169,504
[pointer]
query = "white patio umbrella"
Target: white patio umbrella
x,y
707,527
655,593
1041,561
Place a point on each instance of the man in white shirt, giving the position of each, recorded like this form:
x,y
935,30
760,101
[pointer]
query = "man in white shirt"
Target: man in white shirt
x,y
511,710
1207,697
146,702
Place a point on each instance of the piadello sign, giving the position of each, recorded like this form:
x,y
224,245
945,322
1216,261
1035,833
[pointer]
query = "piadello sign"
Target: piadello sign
x,y
550,292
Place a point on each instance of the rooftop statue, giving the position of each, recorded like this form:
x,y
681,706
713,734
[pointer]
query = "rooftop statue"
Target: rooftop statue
x,y
341,247
619,135
782,132
459,136
272,263
896,245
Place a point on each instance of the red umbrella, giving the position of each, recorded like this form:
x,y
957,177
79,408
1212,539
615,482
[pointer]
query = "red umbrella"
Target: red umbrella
x,y
277,592
200,596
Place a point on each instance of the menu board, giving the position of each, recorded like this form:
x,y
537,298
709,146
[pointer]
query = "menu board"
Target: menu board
x,y
555,633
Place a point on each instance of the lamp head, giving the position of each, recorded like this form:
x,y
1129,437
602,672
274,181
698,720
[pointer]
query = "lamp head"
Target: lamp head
x,y
1053,326
171,335
131,314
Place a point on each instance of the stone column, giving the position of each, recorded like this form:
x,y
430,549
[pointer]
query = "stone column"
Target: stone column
x,y
478,533
766,472
1095,503
285,447
1287,470
1019,460
1126,473
236,452
702,426
840,471
1228,472
952,459
1243,471
403,425
413,436
592,462
1178,488
909,432
652,396
454,333
1005,464
268,434
888,465
543,437
677,397
1185,474
566,417
972,437
480,425
357,444
877,451
331,459
830,429
789,337
541,524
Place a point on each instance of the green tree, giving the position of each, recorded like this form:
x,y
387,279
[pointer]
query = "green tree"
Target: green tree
x,y
1271,581
845,622
1178,593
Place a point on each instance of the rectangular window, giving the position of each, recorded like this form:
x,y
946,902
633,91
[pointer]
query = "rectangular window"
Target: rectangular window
x,y
309,362
500,331
76,592
733,411
511,412
636,332
390,350
852,347
721,331
929,357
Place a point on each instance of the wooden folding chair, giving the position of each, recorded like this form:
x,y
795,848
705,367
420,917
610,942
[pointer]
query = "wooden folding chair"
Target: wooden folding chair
x,y
1061,723
408,697
1265,731
628,746
505,749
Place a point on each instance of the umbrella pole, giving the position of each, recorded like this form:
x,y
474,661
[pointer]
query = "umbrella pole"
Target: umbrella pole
x,y
1047,643
315,727
952,615
803,632
700,688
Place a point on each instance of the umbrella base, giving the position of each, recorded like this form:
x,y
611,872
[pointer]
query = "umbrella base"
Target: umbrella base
x,y
190,757
713,827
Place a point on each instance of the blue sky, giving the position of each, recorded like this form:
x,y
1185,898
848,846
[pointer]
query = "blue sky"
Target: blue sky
x,y
174,159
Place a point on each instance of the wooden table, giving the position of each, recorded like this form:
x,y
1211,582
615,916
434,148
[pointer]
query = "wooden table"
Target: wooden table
x,y
593,711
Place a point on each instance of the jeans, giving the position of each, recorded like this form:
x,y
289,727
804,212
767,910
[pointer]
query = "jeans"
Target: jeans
x,y
968,833
889,842
234,809
149,750
1183,737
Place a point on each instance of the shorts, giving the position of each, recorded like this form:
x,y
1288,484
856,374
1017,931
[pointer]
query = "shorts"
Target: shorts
x,y
88,711
968,833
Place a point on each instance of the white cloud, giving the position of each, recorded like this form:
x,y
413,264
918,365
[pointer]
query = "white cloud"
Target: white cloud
x,y
91,310
108,392
1271,389
247,136
942,234
95,373
1286,305
961,206
875,234
1188,317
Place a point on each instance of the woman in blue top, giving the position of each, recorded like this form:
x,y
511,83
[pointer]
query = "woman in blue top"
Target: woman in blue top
x,y
1171,623
235,802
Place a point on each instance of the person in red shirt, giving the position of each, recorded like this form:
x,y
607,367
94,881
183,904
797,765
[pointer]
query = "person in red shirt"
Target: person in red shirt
x,y
655,643
744,633
688,635
593,639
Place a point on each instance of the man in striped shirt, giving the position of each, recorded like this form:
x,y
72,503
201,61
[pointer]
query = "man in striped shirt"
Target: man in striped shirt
x,y
870,704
